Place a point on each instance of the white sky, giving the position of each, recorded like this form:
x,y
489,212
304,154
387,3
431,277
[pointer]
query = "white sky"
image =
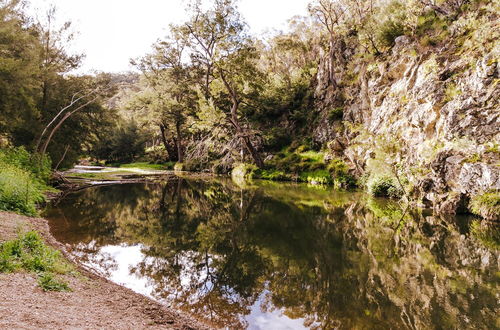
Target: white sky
x,y
113,31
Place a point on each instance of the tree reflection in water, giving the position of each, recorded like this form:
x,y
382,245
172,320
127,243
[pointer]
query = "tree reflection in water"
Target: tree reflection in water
x,y
327,259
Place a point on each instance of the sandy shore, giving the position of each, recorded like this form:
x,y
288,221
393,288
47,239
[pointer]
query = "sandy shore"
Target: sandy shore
x,y
93,303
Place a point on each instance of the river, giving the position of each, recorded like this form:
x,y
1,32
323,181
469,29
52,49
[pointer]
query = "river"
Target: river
x,y
284,256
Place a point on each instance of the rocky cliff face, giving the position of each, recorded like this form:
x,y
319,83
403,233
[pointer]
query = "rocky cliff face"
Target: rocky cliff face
x,y
438,108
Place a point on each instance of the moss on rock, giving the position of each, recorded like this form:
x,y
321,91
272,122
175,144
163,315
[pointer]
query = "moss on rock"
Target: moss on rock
x,y
486,205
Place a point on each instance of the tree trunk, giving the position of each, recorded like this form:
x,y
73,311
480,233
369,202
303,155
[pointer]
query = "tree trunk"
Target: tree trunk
x,y
49,138
180,153
240,131
243,134
168,148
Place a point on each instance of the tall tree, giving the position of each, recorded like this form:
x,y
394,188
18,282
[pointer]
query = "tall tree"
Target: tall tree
x,y
222,50
18,67
170,97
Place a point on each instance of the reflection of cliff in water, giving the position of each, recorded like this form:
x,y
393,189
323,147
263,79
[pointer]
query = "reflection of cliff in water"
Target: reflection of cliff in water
x,y
331,259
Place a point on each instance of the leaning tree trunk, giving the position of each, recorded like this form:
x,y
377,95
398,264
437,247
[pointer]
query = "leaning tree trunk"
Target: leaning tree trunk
x,y
240,131
245,138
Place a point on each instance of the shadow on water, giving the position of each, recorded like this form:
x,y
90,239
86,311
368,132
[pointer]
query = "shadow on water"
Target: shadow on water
x,y
283,256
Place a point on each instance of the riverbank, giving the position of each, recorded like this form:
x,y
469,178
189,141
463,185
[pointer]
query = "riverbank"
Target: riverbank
x,y
93,302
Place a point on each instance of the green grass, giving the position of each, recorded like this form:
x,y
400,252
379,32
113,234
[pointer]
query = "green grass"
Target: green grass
x,y
316,177
48,282
272,175
148,166
29,253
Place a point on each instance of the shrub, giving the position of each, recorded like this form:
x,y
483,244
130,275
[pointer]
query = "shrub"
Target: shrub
x,y
277,138
156,155
316,177
393,25
340,174
48,282
38,165
486,205
384,186
30,253
22,180
19,192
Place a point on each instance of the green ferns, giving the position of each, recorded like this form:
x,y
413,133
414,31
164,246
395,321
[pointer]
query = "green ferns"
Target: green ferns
x,y
28,252
486,205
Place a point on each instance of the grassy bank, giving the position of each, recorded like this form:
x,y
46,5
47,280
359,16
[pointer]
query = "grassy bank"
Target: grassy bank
x,y
29,253
23,180
300,165
147,166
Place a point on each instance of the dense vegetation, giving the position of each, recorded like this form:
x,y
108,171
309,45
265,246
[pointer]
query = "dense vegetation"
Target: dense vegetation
x,y
23,180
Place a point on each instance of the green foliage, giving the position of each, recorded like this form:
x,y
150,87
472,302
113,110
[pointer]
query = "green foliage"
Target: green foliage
x,y
156,155
22,180
277,138
384,186
48,282
335,114
38,165
493,148
316,177
272,175
29,252
486,205
473,158
389,31
149,166
340,174
122,144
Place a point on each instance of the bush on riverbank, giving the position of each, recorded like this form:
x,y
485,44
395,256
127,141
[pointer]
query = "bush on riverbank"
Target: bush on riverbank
x,y
29,252
384,186
22,180
303,165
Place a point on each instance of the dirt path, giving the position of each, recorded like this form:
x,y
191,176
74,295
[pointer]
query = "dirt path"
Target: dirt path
x,y
94,303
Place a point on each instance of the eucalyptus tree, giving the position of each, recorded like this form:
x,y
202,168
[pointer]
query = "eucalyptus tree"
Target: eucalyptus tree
x,y
226,57
55,58
19,67
170,97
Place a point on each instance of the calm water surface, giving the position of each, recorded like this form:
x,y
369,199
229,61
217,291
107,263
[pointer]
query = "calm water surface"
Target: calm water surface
x,y
283,256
